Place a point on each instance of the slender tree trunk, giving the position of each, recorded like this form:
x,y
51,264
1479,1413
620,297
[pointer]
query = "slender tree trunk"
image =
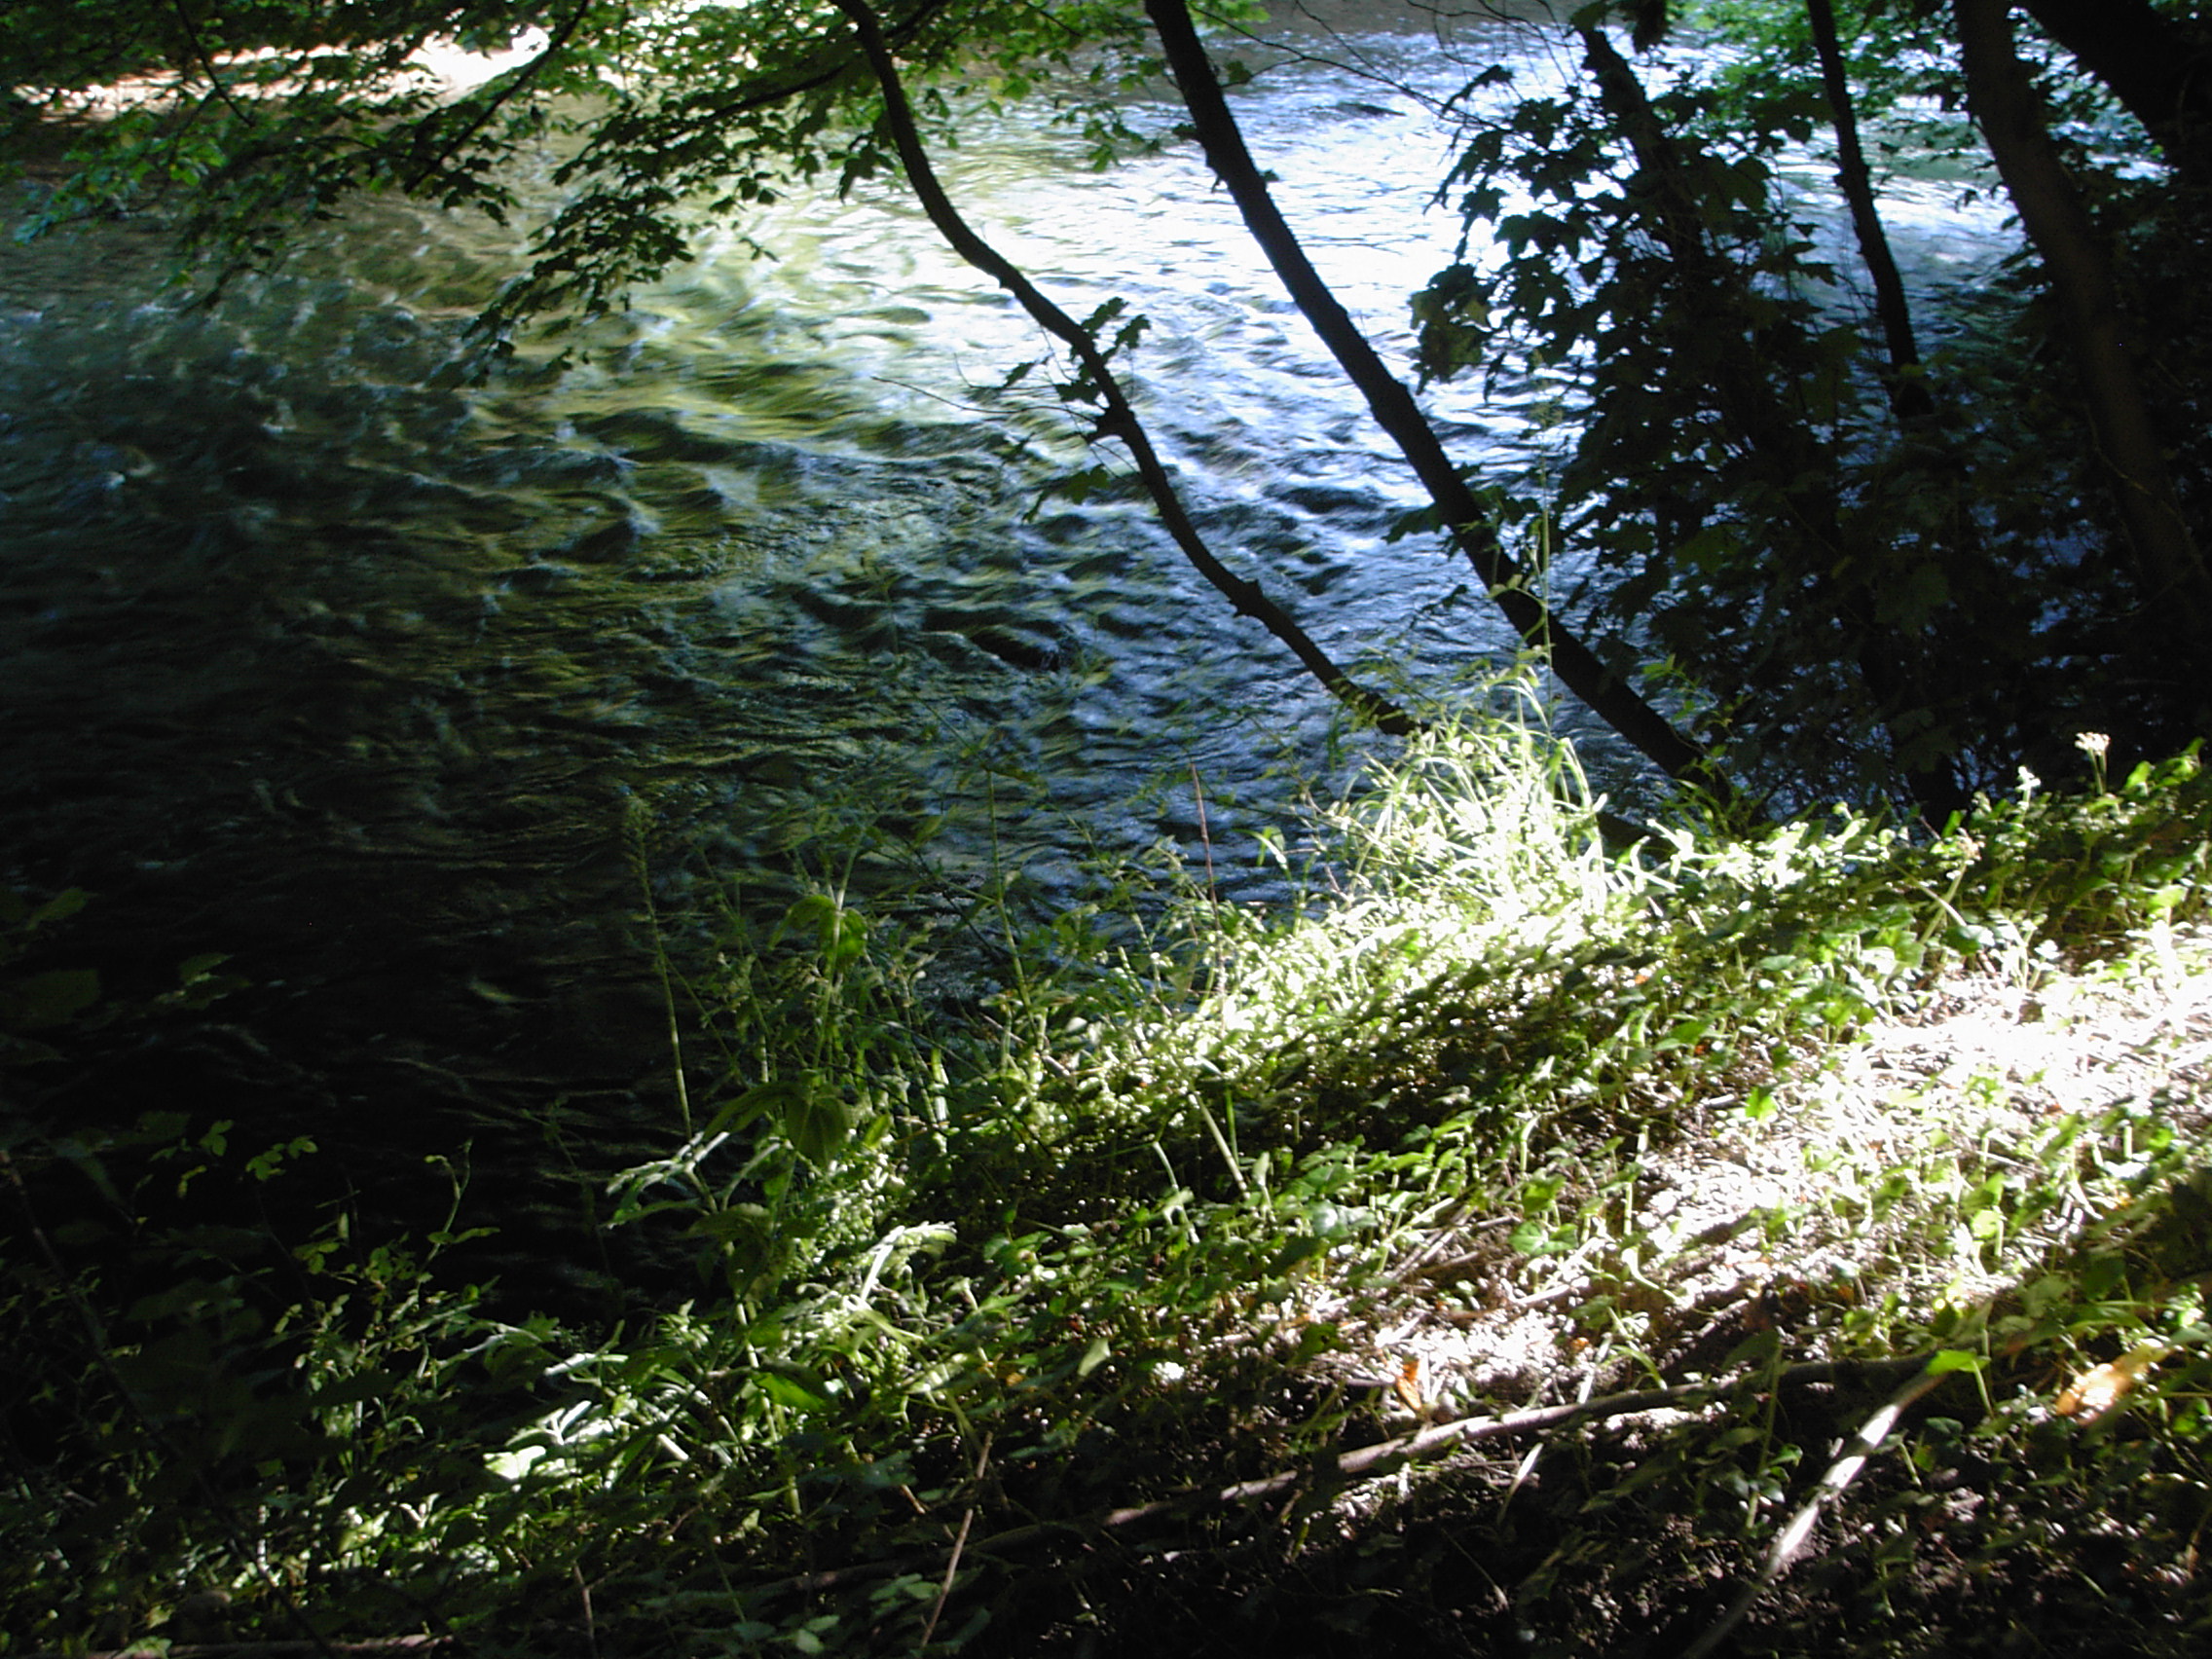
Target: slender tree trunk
x,y
1118,419
1794,466
1911,399
1908,393
2176,582
1576,666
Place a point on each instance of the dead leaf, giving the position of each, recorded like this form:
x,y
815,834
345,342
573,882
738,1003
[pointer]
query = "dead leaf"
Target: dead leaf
x,y
2098,1389
1407,1386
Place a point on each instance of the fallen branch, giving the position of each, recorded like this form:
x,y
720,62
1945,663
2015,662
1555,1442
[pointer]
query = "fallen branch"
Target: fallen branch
x,y
1789,1542
952,1565
1369,1462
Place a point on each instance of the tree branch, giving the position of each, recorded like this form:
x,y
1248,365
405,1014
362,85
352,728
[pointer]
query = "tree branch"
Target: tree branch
x,y
198,50
1909,398
1577,667
1796,467
1790,1543
2159,67
555,43
2177,584
1119,420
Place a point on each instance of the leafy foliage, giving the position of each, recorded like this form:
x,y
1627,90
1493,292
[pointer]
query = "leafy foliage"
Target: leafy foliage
x,y
649,120
1881,600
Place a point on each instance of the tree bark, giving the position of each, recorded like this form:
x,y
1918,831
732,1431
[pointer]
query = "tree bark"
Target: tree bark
x,y
1909,399
2177,586
1576,666
1119,420
2158,66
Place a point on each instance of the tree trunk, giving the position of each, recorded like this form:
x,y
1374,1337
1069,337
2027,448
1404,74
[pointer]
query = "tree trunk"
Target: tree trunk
x,y
1576,666
1119,420
1909,398
2177,586
1795,467
2158,66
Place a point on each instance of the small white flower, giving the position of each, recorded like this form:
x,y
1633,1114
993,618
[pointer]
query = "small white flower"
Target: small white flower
x,y
2092,743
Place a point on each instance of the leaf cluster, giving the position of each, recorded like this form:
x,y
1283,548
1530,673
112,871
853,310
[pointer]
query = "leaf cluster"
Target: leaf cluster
x,y
1852,600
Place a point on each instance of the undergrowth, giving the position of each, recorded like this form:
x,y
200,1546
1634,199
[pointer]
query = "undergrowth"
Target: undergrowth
x,y
996,1295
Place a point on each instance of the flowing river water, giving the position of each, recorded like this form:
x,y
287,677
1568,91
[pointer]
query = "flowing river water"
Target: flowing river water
x,y
380,684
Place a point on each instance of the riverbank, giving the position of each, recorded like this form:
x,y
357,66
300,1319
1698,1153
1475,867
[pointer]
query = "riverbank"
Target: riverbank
x,y
1495,1252
322,660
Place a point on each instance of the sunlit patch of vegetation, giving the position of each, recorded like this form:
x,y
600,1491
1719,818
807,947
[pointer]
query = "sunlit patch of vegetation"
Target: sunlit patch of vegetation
x,y
1598,1195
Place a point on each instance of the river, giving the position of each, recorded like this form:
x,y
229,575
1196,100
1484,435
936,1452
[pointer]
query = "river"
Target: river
x,y
380,684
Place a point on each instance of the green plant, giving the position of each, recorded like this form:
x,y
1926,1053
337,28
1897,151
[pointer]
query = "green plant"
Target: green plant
x,y
1195,1221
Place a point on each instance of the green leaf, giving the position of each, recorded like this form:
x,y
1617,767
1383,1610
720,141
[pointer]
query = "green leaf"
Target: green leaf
x,y
839,934
62,905
1536,1239
1093,1356
739,1224
817,1121
39,1001
816,913
790,1387
1954,1360
764,1099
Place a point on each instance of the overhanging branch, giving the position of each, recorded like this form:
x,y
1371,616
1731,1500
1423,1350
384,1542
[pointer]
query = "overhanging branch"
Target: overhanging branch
x,y
1119,420
1577,667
